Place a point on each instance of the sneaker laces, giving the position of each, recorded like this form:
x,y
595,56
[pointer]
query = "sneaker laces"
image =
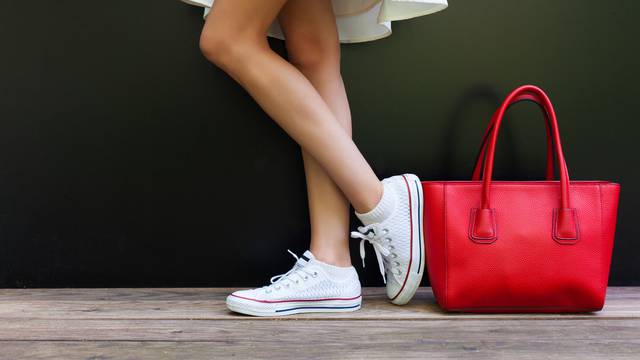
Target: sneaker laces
x,y
293,276
377,237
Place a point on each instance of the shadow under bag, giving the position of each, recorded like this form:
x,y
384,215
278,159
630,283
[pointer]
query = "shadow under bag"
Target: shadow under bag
x,y
520,246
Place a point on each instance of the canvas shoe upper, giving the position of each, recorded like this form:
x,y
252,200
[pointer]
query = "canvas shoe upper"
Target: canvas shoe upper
x,y
310,286
398,239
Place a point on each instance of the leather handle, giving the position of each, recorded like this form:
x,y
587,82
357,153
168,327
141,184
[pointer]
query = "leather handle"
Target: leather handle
x,y
483,228
480,157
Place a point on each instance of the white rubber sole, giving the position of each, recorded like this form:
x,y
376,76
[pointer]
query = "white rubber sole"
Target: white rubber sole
x,y
255,308
417,263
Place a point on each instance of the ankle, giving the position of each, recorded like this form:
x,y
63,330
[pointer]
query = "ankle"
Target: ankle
x,y
335,258
372,200
382,209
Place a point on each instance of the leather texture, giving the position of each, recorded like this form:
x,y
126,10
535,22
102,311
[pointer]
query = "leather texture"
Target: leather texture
x,y
520,246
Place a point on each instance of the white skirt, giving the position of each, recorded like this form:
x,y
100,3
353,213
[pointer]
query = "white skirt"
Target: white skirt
x,y
361,20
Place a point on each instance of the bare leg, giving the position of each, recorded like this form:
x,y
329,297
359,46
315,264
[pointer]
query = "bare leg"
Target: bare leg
x,y
234,38
314,49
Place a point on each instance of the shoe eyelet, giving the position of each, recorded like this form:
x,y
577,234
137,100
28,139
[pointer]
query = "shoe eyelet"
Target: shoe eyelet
x,y
306,278
388,239
315,273
297,281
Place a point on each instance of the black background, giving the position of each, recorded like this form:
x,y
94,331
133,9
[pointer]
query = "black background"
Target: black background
x,y
127,160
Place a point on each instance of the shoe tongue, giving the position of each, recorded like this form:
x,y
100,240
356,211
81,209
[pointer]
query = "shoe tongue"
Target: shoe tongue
x,y
305,258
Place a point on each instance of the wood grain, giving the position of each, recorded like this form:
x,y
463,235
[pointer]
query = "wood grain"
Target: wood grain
x,y
192,323
208,304
534,339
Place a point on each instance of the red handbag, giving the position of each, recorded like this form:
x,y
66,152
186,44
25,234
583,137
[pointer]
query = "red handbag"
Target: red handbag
x,y
520,246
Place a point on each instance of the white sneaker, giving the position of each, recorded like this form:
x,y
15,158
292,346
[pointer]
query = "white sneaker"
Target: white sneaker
x,y
310,286
396,233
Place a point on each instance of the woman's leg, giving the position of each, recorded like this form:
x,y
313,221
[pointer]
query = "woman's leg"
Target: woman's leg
x,y
313,48
234,38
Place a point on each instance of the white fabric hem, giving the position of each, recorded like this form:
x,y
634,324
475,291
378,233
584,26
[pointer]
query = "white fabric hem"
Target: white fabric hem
x,y
369,23
429,11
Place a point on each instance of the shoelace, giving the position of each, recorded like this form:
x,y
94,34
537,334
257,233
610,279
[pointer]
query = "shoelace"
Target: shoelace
x,y
377,237
293,276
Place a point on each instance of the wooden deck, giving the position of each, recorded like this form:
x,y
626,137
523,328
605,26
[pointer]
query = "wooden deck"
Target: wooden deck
x,y
193,323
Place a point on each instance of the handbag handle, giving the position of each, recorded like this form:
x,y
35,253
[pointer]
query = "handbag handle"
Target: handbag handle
x,y
483,146
483,227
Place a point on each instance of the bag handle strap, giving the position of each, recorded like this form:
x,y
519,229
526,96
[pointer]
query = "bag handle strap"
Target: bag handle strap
x,y
483,228
477,169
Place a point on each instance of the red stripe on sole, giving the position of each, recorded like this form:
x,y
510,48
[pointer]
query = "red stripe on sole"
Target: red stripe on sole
x,y
285,301
411,241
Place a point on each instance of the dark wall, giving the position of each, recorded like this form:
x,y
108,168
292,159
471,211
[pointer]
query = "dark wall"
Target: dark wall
x,y
127,160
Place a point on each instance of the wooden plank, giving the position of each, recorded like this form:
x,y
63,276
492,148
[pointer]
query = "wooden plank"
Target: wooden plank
x,y
193,323
41,350
208,304
480,339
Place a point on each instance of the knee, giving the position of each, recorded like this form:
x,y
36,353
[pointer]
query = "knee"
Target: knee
x,y
216,47
313,52
223,48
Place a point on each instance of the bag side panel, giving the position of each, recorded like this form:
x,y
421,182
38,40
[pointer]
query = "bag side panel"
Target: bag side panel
x,y
434,237
609,195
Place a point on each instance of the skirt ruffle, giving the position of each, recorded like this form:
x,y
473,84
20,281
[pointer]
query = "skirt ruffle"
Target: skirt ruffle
x,y
361,20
